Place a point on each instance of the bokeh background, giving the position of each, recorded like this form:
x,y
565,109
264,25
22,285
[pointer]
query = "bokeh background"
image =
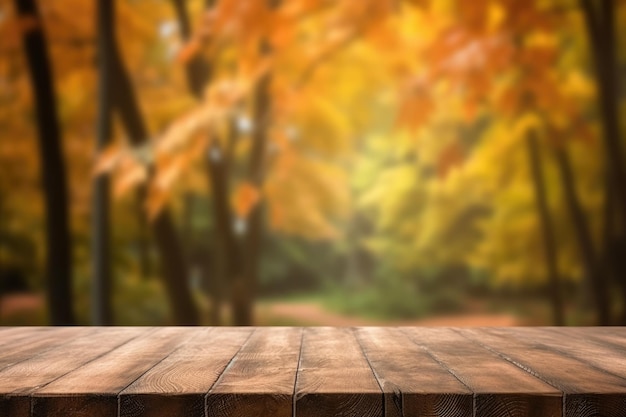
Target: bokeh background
x,y
309,162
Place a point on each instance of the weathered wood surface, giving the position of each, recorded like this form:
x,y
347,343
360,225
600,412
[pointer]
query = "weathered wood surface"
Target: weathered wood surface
x,y
306,372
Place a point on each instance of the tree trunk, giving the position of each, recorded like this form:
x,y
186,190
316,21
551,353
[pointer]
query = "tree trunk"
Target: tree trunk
x,y
226,247
241,258
58,239
142,240
102,313
197,70
600,23
546,229
593,271
175,271
198,73
613,244
245,289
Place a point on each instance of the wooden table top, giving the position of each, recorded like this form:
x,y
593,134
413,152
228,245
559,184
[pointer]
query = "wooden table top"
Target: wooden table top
x,y
312,372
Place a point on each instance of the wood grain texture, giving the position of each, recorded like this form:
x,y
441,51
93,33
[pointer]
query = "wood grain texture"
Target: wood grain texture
x,y
19,380
287,372
14,351
588,390
500,388
177,385
414,384
334,377
260,379
608,358
610,336
11,334
92,389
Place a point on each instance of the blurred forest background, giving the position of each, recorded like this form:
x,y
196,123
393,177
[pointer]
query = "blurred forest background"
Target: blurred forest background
x,y
312,162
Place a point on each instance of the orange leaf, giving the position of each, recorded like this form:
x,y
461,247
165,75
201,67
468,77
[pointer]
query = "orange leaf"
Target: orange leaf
x,y
108,159
131,174
450,157
157,197
168,170
416,106
277,216
246,196
188,51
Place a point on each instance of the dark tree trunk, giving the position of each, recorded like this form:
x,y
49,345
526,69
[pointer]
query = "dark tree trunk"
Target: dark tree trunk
x,y
102,312
174,266
198,73
186,227
243,303
58,239
601,30
547,229
593,269
218,173
241,257
143,240
245,290
600,22
613,244
616,260
197,70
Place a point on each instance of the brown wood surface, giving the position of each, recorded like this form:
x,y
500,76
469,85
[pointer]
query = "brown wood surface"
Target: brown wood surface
x,y
334,377
260,379
23,348
23,378
91,390
588,389
287,371
178,384
414,383
613,336
500,388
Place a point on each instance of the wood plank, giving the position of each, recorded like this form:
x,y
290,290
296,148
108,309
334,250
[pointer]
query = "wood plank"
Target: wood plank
x,y
198,372
36,342
19,335
21,379
177,385
8,332
413,382
613,336
500,388
92,389
588,390
334,377
260,379
27,341
608,358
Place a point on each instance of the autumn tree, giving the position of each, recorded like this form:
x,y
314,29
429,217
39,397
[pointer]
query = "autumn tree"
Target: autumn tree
x,y
508,49
101,225
53,173
198,74
547,228
245,112
174,266
487,88
601,21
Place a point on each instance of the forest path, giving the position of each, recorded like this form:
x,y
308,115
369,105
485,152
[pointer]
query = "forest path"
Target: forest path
x,y
299,313
313,314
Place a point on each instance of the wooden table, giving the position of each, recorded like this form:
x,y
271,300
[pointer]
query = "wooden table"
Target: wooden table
x,y
307,372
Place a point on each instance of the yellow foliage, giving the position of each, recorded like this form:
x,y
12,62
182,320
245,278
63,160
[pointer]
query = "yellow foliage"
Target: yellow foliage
x,y
304,194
